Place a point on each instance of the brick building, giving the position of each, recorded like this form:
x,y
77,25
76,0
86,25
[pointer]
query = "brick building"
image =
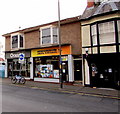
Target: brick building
x,y
40,47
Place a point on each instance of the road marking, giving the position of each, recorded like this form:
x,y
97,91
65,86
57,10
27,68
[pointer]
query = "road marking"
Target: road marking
x,y
65,91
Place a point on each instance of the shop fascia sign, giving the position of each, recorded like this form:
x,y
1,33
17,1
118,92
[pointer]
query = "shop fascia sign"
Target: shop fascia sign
x,y
13,55
51,51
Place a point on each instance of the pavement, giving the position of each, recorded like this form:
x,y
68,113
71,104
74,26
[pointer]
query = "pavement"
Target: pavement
x,y
69,89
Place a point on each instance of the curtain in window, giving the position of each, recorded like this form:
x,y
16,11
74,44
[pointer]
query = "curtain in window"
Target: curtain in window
x,y
50,35
55,35
15,41
21,41
106,32
46,36
94,34
118,23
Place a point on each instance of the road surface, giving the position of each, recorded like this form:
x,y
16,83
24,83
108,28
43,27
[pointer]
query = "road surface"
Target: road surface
x,y
23,99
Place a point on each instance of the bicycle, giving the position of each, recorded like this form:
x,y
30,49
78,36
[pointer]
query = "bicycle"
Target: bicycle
x,y
19,79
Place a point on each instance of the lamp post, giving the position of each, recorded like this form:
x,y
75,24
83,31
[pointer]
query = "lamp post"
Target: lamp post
x,y
60,61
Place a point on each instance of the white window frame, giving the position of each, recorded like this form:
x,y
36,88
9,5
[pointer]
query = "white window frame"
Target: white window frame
x,y
51,33
118,24
94,35
106,31
18,34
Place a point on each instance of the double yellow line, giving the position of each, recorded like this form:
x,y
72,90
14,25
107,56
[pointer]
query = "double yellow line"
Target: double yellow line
x,y
71,92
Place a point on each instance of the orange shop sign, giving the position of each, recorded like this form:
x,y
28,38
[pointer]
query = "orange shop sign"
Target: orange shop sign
x,y
51,51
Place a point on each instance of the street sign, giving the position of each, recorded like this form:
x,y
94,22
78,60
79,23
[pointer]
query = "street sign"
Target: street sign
x,y
21,58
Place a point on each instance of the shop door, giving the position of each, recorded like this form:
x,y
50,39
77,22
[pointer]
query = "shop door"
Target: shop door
x,y
78,70
65,71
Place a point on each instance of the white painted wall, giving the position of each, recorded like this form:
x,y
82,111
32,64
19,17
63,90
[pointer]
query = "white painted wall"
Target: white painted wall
x,y
31,68
47,80
87,75
70,68
6,68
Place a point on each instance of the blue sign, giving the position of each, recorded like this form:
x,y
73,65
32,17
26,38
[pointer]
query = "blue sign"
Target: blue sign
x,y
21,57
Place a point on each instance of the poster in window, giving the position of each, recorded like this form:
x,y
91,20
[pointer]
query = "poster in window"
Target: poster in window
x,y
46,71
56,73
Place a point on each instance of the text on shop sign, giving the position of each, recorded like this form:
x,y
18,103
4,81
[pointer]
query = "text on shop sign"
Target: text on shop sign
x,y
48,51
51,51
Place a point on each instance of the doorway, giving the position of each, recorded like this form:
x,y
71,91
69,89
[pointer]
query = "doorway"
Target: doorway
x,y
107,75
78,70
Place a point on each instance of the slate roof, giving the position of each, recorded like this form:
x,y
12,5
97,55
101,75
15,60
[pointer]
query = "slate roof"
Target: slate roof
x,y
101,8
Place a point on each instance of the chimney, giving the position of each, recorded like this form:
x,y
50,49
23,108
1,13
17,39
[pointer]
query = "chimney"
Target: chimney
x,y
90,3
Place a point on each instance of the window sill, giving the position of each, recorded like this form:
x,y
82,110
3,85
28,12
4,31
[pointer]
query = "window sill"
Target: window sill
x,y
16,49
47,45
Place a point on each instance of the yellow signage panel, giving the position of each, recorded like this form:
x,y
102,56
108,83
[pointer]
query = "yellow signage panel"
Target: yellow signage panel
x,y
51,51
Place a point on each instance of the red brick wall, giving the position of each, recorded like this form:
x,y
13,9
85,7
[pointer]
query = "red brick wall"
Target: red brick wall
x,y
7,43
32,39
70,33
90,3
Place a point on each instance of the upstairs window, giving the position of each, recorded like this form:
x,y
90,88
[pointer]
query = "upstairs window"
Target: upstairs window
x,y
46,36
106,32
49,35
118,23
94,34
55,35
17,41
21,41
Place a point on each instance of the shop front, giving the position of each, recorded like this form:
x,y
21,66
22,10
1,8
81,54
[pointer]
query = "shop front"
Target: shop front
x,y
46,64
15,67
104,70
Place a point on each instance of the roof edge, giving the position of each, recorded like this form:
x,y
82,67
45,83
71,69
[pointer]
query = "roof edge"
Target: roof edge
x,y
63,21
106,13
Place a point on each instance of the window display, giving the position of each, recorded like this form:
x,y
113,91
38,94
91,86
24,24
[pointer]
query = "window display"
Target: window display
x,y
46,71
47,67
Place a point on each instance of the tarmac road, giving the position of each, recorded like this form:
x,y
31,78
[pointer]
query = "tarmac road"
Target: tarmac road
x,y
23,99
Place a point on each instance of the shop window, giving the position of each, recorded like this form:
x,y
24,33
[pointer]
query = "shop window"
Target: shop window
x,y
17,41
14,68
47,67
49,35
106,32
94,34
118,23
